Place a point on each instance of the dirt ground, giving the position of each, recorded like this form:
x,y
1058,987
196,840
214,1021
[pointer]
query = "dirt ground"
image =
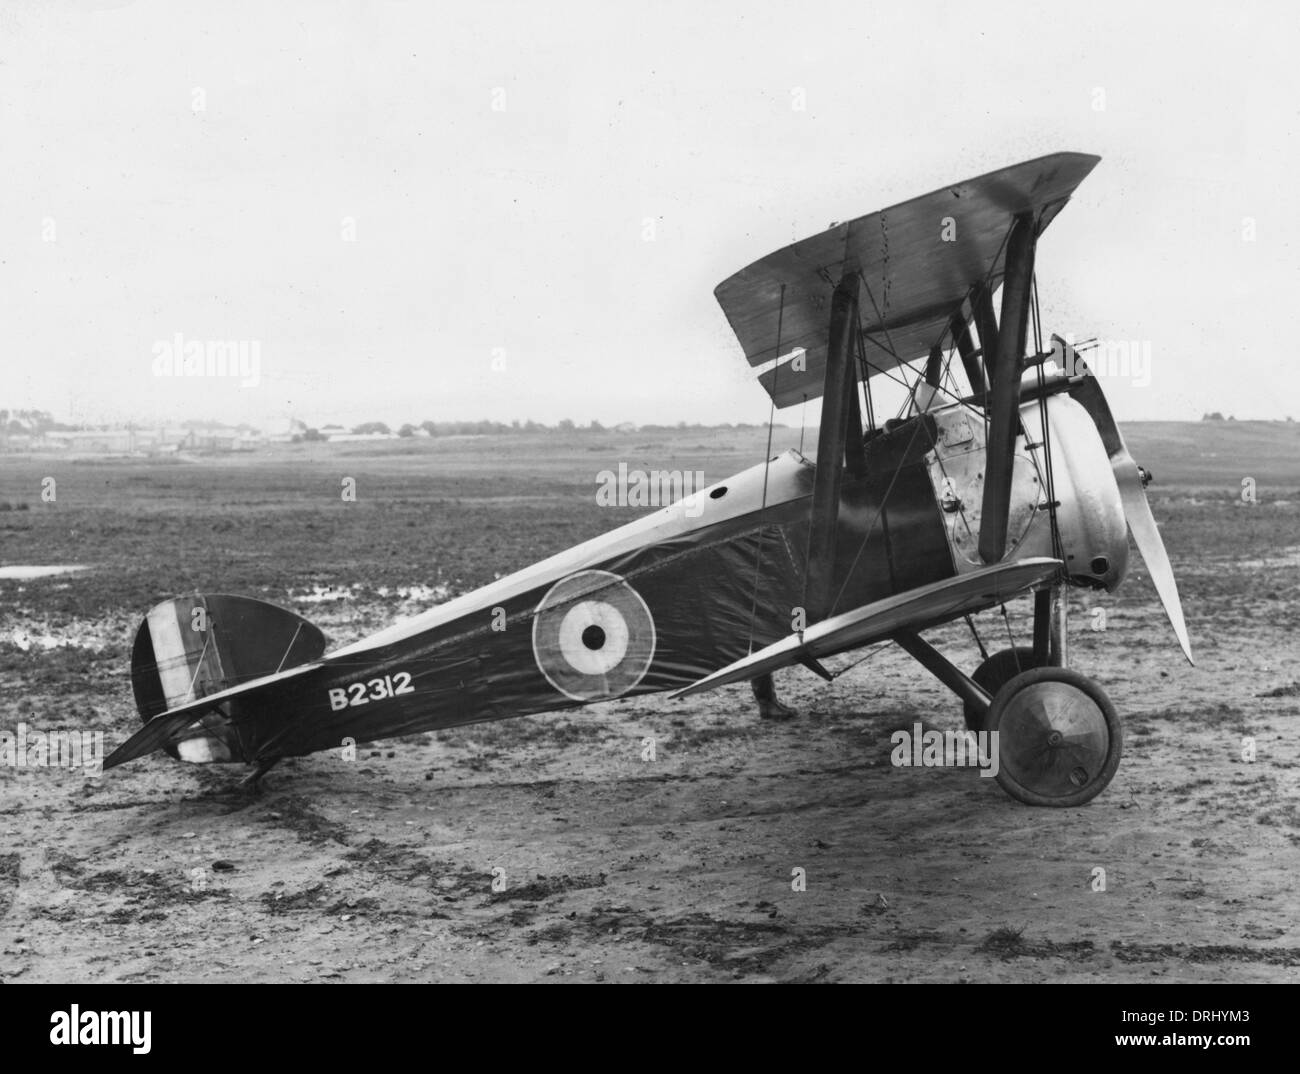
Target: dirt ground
x,y
678,868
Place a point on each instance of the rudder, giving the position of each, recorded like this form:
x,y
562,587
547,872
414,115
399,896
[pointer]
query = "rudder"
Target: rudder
x,y
190,647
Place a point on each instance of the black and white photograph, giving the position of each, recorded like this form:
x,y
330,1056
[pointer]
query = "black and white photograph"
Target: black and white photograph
x,y
682,493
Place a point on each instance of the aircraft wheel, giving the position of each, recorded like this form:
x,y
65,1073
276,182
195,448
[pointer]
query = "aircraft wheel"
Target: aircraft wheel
x,y
1059,737
998,670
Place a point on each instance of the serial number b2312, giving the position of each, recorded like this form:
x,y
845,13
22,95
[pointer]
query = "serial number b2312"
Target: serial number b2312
x,y
362,693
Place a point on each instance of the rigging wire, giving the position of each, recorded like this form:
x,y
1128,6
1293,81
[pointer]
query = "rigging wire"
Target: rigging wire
x,y
1011,642
865,377
1044,422
767,466
862,660
984,653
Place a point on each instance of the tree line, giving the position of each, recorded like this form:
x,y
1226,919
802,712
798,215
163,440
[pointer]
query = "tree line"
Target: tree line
x,y
500,428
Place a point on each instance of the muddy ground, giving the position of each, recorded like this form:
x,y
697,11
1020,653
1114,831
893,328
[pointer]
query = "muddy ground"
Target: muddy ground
x,y
616,867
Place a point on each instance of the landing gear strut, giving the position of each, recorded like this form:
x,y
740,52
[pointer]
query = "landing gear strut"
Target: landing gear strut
x,y
1059,736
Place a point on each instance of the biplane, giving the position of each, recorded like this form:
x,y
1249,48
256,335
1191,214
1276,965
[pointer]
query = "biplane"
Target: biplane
x,y
1004,475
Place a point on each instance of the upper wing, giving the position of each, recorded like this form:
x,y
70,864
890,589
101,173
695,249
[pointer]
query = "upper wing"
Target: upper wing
x,y
917,608
918,261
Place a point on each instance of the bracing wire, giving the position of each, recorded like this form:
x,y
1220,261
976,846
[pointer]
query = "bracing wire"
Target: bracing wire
x,y
767,466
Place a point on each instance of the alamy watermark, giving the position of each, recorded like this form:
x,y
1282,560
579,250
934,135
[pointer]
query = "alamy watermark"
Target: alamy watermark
x,y
1105,358
179,357
653,488
53,749
945,749
75,1026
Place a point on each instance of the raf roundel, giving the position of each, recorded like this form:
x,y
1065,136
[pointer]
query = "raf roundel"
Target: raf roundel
x,y
593,636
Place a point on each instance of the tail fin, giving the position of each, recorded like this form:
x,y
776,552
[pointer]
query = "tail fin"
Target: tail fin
x,y
191,647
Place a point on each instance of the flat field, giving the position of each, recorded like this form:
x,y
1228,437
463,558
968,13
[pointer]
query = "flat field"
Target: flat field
x,y
617,868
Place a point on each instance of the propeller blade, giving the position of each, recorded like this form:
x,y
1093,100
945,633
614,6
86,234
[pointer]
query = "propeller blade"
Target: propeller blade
x,y
1142,525
1128,476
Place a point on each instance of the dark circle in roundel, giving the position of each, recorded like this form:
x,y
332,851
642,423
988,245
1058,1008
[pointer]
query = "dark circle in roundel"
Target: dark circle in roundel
x,y
593,636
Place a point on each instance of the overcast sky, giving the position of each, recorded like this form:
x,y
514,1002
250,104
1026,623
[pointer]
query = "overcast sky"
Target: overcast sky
x,y
438,210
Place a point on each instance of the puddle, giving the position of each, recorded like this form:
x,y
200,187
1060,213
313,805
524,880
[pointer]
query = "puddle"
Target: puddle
x,y
23,573
30,634
1286,558
321,594
423,594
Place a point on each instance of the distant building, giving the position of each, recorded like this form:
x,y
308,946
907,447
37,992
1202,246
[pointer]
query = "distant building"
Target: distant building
x,y
150,441
95,441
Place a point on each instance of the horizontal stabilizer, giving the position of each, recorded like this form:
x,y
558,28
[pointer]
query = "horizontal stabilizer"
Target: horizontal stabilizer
x,y
169,726
917,609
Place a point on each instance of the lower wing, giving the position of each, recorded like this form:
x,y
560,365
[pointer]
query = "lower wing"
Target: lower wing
x,y
918,608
